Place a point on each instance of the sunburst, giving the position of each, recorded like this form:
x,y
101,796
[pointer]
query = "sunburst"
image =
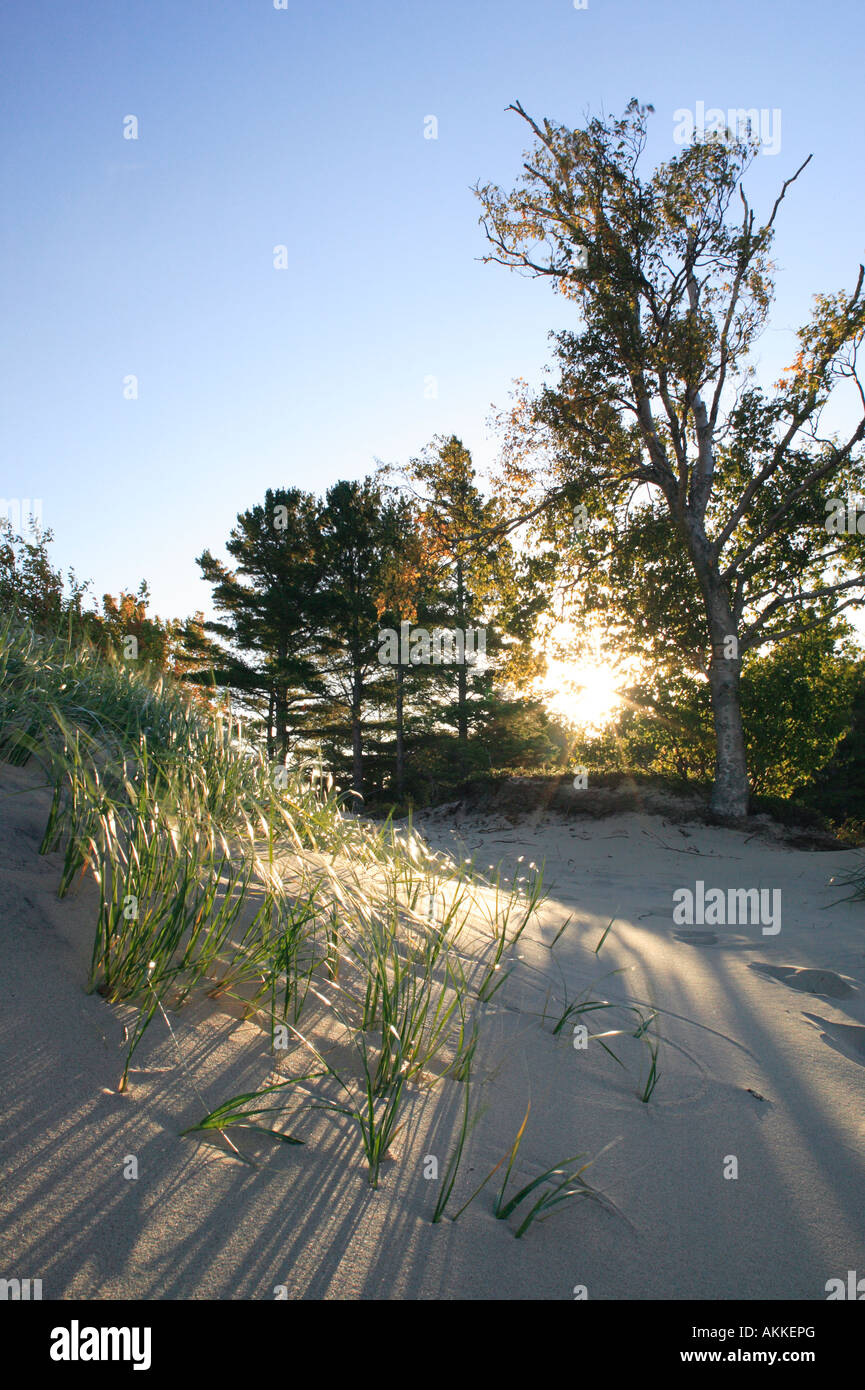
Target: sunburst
x,y
583,690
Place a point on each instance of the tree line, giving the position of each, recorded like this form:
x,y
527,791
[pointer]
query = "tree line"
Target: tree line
x,y
386,625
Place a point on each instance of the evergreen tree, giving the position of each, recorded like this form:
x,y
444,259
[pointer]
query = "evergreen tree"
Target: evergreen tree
x,y
353,554
473,573
265,647
407,573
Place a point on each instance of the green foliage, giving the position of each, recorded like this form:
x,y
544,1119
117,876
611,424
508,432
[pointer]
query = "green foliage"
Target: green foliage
x,y
797,703
837,791
32,588
28,582
704,520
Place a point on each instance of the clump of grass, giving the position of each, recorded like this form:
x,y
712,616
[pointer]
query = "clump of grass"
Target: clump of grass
x,y
449,1176
652,1078
563,1182
454,1160
577,1008
378,1114
239,1112
499,913
585,1005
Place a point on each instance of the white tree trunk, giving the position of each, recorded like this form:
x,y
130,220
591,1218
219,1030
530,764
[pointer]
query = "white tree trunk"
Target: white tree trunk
x,y
731,791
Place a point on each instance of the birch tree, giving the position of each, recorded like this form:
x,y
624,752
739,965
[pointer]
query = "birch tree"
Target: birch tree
x,y
657,415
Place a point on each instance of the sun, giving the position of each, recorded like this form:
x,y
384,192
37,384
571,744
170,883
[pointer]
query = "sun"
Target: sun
x,y
584,693
583,680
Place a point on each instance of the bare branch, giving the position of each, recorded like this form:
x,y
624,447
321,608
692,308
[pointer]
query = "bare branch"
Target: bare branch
x,y
783,601
772,524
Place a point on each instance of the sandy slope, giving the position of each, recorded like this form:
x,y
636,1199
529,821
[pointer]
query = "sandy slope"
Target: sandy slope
x,y
751,1065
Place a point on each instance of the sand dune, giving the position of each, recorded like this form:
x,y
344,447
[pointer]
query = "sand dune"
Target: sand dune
x,y
760,1061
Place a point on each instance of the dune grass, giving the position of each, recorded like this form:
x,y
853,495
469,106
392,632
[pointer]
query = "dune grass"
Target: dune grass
x,y
221,875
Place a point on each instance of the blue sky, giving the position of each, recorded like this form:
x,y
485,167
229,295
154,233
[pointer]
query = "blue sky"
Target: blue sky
x,y
304,127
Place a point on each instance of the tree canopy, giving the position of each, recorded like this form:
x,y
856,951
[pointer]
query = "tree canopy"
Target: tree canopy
x,y
705,491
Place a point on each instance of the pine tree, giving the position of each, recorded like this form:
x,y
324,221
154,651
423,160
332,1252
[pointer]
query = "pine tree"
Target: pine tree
x,y
265,647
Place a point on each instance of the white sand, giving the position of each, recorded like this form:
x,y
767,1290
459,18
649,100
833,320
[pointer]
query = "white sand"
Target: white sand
x,y
735,1018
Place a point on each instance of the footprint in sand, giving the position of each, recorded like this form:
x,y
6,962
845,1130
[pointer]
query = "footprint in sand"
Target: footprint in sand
x,y
846,1038
824,982
696,938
